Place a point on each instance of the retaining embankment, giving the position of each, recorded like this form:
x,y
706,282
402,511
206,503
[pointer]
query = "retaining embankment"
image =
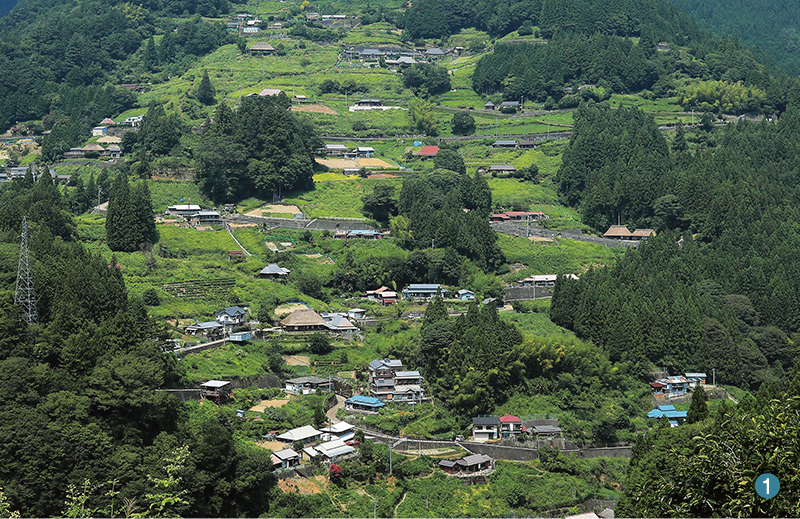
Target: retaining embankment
x,y
313,224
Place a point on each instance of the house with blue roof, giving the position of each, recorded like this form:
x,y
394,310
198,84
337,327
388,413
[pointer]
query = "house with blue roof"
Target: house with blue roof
x,y
363,403
674,416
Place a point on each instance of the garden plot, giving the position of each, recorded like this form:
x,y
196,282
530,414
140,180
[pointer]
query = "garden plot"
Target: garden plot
x,y
354,163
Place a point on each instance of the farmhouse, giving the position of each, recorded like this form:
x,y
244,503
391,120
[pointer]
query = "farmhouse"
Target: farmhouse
x,y
365,152
670,387
210,329
334,149
338,323
618,232
383,295
205,218
423,291
428,151
332,451
338,431
183,210
305,434
502,168
485,428
466,295
285,459
510,426
261,48
674,416
307,385
273,271
504,144
367,234
544,280
363,403
231,315
642,234
388,381
303,320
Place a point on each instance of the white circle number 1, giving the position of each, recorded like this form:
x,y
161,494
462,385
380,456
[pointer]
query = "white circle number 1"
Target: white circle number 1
x,y
767,485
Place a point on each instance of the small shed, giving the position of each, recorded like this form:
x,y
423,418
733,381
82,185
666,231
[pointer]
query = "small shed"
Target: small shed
x,y
466,295
356,313
240,336
216,390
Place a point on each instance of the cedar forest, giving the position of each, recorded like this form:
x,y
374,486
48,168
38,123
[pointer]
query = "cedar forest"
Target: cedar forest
x,y
642,115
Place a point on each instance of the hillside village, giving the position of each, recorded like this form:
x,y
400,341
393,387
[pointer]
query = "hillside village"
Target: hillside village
x,y
392,259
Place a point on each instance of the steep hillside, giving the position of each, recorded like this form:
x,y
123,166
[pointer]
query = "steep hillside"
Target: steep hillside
x,y
771,25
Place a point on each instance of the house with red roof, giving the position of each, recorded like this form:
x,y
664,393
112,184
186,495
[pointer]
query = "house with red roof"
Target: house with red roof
x,y
511,426
428,151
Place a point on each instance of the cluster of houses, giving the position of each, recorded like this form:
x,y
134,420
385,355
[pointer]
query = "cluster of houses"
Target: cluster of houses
x,y
396,56
307,320
330,444
19,172
225,319
487,428
674,416
505,106
620,232
364,234
516,216
677,386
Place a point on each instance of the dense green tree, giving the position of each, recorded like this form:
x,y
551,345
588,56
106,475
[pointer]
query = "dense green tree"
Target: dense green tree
x,y
450,160
462,123
205,90
129,220
320,344
698,410
380,205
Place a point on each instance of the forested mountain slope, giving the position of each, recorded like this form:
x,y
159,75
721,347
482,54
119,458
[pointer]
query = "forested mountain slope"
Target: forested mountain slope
x,y
723,295
771,25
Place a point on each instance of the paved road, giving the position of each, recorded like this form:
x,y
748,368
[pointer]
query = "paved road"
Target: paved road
x,y
331,413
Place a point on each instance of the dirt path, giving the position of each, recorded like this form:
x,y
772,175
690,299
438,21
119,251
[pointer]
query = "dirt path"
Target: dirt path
x,y
400,503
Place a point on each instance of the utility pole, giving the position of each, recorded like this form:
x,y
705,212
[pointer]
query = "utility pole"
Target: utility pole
x,y
25,295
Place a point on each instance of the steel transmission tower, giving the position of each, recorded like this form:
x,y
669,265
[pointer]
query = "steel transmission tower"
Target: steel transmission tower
x,y
25,296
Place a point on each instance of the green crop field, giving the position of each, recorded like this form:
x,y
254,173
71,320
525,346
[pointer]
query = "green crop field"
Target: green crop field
x,y
341,199
560,256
